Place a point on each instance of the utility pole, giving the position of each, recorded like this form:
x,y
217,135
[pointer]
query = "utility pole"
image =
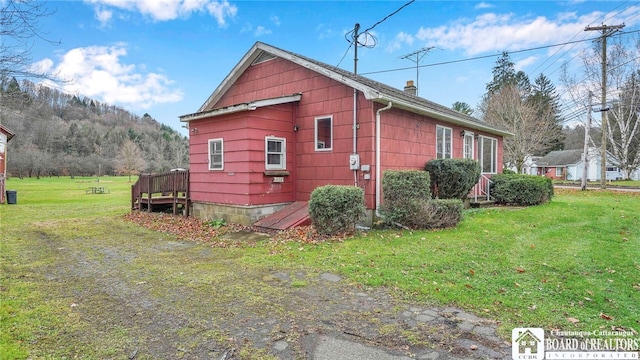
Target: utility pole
x,y
606,32
356,28
419,54
585,151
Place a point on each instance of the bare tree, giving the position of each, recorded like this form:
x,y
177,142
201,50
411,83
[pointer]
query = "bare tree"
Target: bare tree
x,y
19,29
129,160
508,108
623,84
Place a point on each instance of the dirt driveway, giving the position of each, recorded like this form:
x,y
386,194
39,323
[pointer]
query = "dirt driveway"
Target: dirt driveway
x,y
131,295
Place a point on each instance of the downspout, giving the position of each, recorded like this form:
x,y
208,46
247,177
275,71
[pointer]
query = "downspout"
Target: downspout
x,y
355,134
378,170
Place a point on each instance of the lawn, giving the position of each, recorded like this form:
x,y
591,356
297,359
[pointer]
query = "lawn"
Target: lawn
x,y
570,264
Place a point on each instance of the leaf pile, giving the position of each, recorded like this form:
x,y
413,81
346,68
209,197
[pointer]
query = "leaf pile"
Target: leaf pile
x,y
201,231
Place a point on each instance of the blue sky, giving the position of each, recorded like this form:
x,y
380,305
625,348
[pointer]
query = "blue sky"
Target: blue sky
x,y
165,57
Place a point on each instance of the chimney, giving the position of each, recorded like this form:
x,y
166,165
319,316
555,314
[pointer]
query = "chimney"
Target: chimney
x,y
410,88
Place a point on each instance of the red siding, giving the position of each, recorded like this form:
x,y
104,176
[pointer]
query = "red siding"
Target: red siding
x,y
242,180
408,140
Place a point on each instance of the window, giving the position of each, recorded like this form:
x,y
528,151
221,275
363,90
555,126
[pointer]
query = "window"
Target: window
x,y
558,172
468,145
443,142
275,153
216,155
488,154
324,133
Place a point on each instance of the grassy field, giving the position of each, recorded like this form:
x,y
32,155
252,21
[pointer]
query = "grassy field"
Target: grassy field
x,y
571,264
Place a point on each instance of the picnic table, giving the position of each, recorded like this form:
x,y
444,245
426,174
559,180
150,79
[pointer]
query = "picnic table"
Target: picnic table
x,y
97,190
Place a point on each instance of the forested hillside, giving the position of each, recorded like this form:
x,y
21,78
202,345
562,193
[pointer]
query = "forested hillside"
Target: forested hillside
x,y
61,134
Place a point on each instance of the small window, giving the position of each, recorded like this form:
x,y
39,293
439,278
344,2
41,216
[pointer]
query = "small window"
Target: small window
x,y
275,153
216,154
324,133
468,145
443,142
558,172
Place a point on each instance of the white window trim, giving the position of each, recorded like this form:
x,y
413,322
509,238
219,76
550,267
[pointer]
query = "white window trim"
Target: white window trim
x,y
494,157
558,171
468,134
315,134
268,166
221,154
444,143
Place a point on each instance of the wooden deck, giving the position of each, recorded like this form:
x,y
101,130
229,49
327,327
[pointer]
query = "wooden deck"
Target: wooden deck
x,y
161,192
295,214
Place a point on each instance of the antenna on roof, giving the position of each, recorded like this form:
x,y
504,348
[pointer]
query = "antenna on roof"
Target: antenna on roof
x,y
419,54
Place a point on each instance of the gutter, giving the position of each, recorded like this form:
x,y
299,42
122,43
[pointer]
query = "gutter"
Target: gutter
x,y
378,170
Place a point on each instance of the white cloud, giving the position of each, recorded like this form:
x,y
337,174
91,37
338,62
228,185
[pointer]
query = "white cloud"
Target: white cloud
x,y
520,65
261,30
97,72
104,16
164,10
491,32
401,39
483,5
275,20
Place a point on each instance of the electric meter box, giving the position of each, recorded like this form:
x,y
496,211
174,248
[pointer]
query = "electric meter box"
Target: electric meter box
x,y
354,162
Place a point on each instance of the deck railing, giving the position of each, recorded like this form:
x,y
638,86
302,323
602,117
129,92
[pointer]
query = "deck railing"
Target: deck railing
x,y
173,185
481,191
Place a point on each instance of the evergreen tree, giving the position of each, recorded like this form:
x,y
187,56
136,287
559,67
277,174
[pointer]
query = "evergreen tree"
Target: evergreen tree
x,y
547,101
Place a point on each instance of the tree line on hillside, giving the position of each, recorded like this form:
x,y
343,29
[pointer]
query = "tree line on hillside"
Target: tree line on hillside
x,y
62,134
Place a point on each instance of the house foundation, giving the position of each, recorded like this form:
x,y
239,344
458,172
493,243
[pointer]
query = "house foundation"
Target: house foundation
x,y
234,214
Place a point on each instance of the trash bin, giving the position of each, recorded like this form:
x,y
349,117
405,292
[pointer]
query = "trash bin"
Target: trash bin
x,y
12,197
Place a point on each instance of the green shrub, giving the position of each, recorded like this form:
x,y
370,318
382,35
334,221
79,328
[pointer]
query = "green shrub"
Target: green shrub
x,y
335,209
521,190
440,213
508,171
404,192
452,178
427,213
405,184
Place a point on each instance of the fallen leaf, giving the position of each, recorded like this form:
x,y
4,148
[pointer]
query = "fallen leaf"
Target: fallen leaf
x,y
472,272
501,290
533,307
520,270
573,320
468,286
516,284
605,316
588,299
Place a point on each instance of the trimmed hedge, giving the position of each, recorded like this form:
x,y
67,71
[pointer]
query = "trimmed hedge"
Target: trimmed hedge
x,y
452,178
404,192
406,184
407,202
335,209
521,190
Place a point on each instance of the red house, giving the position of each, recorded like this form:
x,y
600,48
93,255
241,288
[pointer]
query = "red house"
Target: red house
x,y
281,124
5,136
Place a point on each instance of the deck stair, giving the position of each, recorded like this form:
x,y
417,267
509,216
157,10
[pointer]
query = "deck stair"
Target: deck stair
x,y
294,214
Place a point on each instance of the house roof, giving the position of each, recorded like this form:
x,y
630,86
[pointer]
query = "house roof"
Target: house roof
x,y
9,133
560,158
372,90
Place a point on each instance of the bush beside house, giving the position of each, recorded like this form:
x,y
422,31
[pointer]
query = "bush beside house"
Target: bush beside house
x,y
407,202
521,190
336,209
452,178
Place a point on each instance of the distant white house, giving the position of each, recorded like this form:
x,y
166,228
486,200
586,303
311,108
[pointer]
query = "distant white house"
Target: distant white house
x,y
568,165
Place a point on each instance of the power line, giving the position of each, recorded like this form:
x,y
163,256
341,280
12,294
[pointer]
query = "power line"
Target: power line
x,y
390,15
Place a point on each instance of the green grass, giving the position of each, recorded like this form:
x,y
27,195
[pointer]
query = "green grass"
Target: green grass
x,y
576,257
